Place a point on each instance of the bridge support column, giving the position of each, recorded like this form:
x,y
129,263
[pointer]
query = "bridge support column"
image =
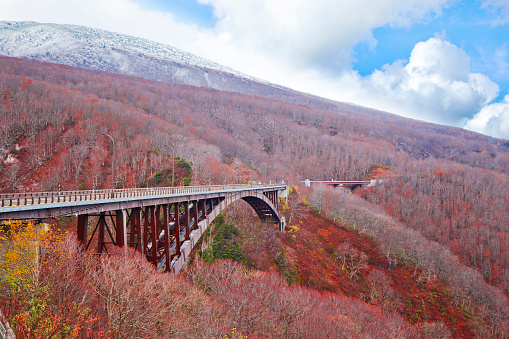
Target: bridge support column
x,y
121,234
82,228
148,228
195,214
203,206
176,228
144,225
166,229
135,239
186,219
100,236
271,197
155,224
282,224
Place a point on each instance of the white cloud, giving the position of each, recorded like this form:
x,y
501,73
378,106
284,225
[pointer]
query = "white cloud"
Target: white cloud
x,y
500,8
493,120
318,34
435,85
308,46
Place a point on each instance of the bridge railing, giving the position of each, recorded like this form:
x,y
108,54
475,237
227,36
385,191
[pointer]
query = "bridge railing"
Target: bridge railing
x,y
43,198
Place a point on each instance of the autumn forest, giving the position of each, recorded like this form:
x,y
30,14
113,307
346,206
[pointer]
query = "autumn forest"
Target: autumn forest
x,y
425,254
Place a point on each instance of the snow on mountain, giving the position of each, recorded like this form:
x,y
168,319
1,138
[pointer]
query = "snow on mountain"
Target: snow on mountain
x,y
117,53
123,54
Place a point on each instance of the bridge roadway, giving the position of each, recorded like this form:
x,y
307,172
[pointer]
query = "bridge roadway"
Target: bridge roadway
x,y
163,223
350,183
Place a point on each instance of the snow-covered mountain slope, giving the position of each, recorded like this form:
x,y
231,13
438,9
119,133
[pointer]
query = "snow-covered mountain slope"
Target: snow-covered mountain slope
x,y
117,53
123,54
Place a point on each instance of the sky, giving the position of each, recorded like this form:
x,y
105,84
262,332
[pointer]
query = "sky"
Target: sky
x,y
442,61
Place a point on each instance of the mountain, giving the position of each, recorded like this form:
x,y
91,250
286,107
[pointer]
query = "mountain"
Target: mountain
x,y
97,49
102,50
123,54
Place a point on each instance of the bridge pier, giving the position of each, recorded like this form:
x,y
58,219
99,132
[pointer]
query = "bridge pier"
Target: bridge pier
x,y
186,220
195,214
82,228
166,230
176,228
155,224
100,237
135,239
121,232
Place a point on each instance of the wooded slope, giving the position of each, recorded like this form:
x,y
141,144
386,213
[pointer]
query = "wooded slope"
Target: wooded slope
x,y
449,184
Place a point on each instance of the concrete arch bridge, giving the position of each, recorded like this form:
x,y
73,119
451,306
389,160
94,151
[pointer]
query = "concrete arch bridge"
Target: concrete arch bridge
x,y
164,224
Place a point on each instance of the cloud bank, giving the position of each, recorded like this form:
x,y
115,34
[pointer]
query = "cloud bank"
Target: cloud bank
x,y
308,46
492,120
435,85
319,33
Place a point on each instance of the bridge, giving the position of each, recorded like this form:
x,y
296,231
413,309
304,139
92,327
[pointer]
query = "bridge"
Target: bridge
x,y
349,183
164,224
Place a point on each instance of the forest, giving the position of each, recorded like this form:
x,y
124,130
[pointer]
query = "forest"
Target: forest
x,y
438,223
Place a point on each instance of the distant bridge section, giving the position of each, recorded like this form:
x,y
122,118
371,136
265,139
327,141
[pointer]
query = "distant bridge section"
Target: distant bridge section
x,y
164,223
349,183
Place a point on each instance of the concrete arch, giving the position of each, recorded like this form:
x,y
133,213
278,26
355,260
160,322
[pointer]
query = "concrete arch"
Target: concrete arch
x,y
263,206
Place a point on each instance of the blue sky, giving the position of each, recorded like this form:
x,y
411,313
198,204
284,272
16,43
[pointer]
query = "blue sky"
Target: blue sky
x,y
443,61
466,24
184,11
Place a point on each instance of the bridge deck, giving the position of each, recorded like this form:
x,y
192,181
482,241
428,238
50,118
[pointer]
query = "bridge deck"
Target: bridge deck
x,y
342,182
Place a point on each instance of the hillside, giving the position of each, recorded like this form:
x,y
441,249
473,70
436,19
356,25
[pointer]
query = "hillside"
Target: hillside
x,y
446,188
339,258
112,52
79,295
71,108
435,279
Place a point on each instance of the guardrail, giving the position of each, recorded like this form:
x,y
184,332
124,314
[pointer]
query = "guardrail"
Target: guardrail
x,y
44,198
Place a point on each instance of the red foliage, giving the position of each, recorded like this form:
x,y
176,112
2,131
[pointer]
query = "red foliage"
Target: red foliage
x,y
457,207
312,249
